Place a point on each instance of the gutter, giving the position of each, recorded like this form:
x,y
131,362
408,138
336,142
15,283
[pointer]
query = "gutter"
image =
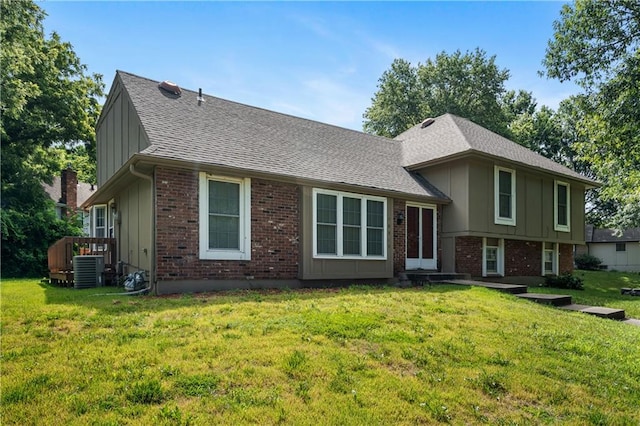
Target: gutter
x,y
152,273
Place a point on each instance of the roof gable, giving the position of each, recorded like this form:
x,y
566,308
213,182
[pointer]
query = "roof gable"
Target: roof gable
x,y
451,136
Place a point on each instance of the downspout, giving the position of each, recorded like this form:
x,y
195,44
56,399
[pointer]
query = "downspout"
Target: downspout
x,y
152,228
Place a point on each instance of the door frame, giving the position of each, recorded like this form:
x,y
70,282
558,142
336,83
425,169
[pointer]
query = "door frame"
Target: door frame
x,y
412,264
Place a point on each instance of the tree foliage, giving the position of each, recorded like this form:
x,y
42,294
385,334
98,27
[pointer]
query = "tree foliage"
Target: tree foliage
x,y
47,100
469,84
597,44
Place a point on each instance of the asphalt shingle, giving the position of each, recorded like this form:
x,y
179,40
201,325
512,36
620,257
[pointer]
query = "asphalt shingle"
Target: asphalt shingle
x,y
225,133
450,136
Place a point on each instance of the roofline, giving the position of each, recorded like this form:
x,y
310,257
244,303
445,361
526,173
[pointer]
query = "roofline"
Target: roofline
x,y
589,183
147,159
195,92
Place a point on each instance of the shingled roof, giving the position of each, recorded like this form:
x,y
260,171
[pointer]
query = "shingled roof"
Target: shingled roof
x,y
230,134
54,190
594,235
450,136
218,132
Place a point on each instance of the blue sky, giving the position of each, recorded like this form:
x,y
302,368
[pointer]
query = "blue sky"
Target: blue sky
x,y
316,60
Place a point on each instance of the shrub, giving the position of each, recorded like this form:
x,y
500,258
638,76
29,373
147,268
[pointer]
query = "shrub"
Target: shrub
x,y
587,262
567,281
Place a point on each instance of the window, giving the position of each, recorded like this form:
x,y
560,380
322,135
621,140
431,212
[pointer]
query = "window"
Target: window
x,y
549,259
561,205
492,256
621,247
99,221
349,225
505,196
225,218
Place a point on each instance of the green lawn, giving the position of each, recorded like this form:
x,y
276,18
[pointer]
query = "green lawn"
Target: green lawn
x,y
361,356
602,288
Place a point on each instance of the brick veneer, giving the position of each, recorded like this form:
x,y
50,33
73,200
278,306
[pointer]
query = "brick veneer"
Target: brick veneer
x,y
565,261
274,231
469,256
399,238
521,258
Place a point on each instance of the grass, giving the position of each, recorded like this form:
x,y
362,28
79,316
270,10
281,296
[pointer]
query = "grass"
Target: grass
x,y
602,288
355,356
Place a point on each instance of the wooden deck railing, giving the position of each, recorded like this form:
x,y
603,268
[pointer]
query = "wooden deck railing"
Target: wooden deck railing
x,y
60,255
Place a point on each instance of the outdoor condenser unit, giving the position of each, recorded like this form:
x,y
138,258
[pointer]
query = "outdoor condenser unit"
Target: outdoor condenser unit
x,y
87,271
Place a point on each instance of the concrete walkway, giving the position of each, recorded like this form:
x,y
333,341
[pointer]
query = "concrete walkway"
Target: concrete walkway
x,y
561,301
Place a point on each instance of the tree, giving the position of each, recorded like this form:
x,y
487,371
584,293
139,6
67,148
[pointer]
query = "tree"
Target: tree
x,y
399,102
469,85
47,99
597,44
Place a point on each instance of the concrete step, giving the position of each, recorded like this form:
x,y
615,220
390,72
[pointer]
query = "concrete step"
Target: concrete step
x,y
547,299
423,276
631,321
504,288
601,312
598,311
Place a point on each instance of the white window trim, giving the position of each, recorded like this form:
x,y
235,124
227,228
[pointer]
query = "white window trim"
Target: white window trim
x,y
499,220
94,220
363,227
556,225
244,253
500,258
555,259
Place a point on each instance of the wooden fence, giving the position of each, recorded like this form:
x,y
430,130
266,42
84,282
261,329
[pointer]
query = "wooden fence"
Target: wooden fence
x,y
60,257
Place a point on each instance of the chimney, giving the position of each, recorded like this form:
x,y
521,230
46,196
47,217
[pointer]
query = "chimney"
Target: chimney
x,y
69,190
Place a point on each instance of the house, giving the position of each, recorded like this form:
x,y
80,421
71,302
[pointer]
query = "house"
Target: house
x,y
68,195
204,193
619,252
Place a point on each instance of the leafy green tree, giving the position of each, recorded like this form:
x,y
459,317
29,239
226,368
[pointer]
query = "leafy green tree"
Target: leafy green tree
x,y
47,99
466,84
597,44
399,102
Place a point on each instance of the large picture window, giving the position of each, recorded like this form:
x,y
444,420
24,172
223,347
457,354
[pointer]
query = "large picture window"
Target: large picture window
x,y
505,196
225,218
349,225
561,209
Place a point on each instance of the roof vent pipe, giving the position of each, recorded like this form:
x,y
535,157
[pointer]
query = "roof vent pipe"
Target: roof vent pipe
x,y
427,122
200,98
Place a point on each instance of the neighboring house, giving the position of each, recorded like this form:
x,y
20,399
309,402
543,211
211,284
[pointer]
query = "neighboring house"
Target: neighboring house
x,y
619,252
68,195
206,193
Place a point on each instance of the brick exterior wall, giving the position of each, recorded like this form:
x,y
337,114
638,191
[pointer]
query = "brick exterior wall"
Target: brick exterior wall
x,y
469,256
399,238
565,258
274,231
522,258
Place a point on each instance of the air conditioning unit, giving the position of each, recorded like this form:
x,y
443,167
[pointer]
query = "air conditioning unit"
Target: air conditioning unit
x,y
87,271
